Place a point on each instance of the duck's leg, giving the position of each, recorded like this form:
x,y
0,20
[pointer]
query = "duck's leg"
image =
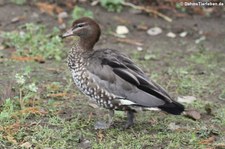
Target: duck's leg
x,y
104,125
130,119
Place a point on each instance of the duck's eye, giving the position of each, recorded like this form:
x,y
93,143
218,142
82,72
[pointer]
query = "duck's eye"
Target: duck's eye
x,y
79,25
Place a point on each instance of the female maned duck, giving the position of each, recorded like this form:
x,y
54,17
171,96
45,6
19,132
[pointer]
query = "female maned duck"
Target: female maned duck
x,y
111,78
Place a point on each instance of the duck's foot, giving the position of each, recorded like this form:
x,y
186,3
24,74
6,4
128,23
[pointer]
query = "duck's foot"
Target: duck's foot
x,y
130,119
104,125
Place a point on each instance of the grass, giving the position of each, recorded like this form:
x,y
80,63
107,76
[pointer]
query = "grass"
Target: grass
x,y
47,112
33,41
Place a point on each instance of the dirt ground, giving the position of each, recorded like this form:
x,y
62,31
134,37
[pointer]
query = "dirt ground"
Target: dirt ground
x,y
212,28
167,57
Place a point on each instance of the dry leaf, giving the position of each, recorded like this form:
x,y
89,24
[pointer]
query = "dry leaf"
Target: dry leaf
x,y
49,8
193,114
90,115
100,135
12,129
26,145
142,27
32,110
57,95
121,20
25,58
209,140
11,139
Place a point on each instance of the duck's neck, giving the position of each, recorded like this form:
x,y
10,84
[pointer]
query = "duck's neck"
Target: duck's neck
x,y
82,45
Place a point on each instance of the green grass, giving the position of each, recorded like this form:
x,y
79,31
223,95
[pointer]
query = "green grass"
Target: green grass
x,y
112,5
32,40
38,115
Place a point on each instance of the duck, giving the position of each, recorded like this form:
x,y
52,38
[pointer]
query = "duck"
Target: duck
x,y
110,78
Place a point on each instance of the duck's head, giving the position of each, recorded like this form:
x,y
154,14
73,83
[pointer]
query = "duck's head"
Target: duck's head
x,y
87,30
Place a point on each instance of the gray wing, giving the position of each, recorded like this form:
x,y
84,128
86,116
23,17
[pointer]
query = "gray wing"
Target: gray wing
x,y
117,74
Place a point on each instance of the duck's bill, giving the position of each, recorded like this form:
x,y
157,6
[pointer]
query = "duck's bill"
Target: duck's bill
x,y
67,33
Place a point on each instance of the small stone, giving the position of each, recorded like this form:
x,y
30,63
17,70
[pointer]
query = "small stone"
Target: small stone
x,y
121,30
139,48
94,3
171,35
63,15
154,31
193,114
183,34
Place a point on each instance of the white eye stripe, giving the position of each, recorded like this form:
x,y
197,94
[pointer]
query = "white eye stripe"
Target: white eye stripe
x,y
80,25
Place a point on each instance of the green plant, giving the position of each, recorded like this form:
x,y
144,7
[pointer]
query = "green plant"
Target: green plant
x,y
27,90
79,12
32,40
7,110
19,2
112,5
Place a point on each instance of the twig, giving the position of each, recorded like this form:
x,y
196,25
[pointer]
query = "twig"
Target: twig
x,y
129,41
149,10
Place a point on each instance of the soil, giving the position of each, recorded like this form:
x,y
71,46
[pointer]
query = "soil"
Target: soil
x,y
196,26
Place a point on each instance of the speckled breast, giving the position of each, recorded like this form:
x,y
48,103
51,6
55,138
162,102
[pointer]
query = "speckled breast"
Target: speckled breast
x,y
88,86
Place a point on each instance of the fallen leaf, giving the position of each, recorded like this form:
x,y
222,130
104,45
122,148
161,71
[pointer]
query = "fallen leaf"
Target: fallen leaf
x,y
209,140
11,139
100,136
142,27
32,110
220,146
193,114
26,145
186,99
49,8
26,58
57,95
90,115
121,20
12,129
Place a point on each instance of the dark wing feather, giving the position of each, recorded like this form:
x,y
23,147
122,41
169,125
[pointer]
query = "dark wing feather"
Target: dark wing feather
x,y
120,76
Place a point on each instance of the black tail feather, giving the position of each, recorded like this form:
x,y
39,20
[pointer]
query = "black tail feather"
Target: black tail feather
x,y
173,108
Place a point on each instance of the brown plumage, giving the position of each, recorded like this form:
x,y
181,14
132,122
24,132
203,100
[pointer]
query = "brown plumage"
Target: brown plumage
x,y
110,77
